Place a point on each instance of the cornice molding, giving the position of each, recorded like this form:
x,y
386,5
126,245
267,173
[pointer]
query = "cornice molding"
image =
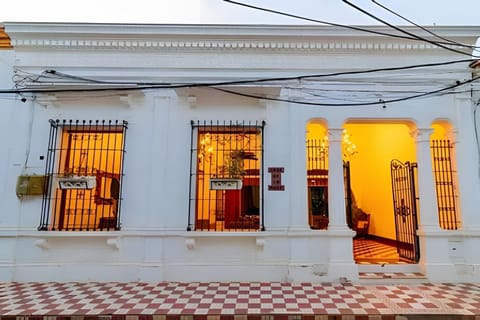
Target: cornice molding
x,y
218,37
313,30
223,45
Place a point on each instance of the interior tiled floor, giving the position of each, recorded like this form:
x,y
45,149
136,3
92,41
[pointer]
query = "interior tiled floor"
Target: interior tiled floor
x,y
371,251
117,300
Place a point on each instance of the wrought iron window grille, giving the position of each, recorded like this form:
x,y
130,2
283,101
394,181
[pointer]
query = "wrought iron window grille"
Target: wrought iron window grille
x,y
445,184
226,176
84,170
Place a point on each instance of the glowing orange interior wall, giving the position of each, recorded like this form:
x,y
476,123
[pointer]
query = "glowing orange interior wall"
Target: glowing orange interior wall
x,y
377,144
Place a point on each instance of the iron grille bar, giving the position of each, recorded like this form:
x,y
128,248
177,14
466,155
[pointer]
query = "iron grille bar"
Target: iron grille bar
x,y
414,199
445,176
316,154
193,153
50,161
405,209
348,193
84,171
262,181
226,176
120,190
317,182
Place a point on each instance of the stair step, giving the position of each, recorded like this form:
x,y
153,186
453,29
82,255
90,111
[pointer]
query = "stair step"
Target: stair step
x,y
391,275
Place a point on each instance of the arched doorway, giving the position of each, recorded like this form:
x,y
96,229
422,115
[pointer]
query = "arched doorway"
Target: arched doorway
x,y
383,188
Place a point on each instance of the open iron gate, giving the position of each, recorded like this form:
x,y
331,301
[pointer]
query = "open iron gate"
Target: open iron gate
x,y
405,209
348,193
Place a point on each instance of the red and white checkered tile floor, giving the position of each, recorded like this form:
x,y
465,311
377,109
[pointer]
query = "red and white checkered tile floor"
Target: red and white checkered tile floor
x,y
156,301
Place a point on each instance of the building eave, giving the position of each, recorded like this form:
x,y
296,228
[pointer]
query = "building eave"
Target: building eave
x,y
30,34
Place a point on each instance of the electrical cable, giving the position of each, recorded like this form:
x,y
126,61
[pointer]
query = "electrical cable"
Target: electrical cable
x,y
414,38
318,21
423,28
369,96
65,75
475,127
140,86
380,102
440,45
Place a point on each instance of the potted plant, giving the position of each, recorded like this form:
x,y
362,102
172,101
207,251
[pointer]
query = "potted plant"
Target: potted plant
x,y
231,172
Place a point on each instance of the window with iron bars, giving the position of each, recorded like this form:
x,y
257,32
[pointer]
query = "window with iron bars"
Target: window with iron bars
x,y
317,185
445,184
84,170
317,178
226,174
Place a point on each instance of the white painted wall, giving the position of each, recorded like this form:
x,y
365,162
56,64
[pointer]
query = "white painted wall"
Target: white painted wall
x,y
153,244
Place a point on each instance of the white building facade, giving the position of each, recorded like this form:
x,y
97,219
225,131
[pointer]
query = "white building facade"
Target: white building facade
x,y
236,153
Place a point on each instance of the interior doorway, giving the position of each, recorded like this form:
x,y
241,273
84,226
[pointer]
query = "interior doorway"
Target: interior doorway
x,y
383,188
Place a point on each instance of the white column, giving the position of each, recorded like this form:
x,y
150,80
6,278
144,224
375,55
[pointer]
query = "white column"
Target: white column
x,y
336,188
341,263
428,209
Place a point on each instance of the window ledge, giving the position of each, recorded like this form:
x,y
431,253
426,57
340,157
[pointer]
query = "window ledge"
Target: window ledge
x,y
208,234
43,239
161,232
74,234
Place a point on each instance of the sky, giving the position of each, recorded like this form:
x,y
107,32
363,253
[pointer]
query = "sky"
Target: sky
x,y
424,12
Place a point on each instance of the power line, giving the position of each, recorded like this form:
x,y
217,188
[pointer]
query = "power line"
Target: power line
x,y
143,85
68,76
318,21
413,37
380,102
438,44
423,28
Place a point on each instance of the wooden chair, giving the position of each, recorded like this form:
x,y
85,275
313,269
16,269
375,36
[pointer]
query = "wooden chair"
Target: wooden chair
x,y
362,226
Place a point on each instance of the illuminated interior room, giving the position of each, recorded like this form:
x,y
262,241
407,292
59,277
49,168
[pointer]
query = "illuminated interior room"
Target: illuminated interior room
x,y
86,182
368,151
228,190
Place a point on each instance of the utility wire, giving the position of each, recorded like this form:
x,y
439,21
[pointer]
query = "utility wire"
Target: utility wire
x,y
475,126
423,28
140,86
380,102
58,74
414,37
438,44
318,21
